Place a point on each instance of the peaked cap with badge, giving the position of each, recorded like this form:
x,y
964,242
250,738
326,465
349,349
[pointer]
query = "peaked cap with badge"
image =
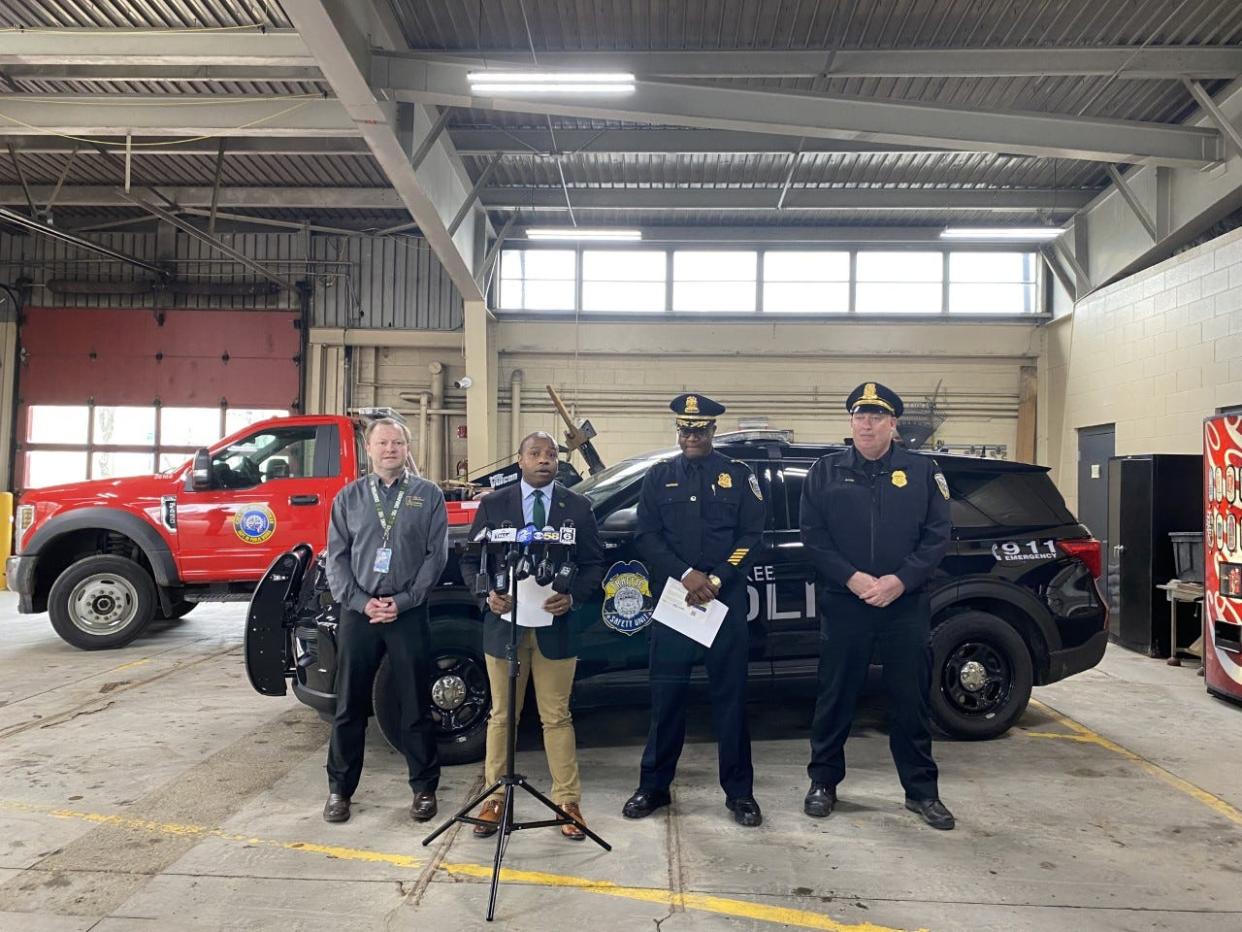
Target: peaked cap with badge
x,y
875,398
696,411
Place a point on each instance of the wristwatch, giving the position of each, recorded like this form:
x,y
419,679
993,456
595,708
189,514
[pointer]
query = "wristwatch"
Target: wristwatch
x,y
715,581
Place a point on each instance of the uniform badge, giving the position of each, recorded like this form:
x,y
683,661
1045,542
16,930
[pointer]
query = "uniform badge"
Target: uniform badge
x,y
724,480
254,524
942,485
628,603
754,486
692,404
899,478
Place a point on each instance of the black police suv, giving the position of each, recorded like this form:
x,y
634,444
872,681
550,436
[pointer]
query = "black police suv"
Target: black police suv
x,y
1014,603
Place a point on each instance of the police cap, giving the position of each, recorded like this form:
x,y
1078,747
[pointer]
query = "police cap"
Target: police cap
x,y
696,411
872,396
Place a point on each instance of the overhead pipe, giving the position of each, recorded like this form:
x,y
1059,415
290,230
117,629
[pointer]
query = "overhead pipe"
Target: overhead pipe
x,y
435,449
515,407
424,408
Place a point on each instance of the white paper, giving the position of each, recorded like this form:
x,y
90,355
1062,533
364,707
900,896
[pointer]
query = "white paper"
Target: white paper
x,y
530,599
697,622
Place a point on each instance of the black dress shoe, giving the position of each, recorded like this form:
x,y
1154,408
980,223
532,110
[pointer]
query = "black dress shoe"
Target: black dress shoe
x,y
336,809
745,811
424,807
645,802
933,812
820,800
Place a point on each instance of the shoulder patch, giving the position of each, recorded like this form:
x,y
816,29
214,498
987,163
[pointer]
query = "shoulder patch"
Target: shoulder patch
x,y
942,484
754,485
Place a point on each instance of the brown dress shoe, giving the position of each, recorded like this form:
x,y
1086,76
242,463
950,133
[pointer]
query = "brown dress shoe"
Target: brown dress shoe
x,y
490,813
571,831
424,807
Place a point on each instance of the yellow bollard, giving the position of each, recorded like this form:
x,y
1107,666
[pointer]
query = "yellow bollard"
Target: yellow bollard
x,y
6,534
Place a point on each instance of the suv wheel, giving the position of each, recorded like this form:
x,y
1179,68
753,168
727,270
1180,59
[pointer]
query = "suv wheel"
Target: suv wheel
x,y
460,694
981,676
102,602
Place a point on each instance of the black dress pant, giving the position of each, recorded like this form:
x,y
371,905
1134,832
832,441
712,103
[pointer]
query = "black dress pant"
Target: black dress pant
x,y
849,629
361,646
672,656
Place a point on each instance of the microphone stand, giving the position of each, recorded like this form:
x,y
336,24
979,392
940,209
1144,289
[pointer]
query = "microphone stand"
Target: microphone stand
x,y
510,779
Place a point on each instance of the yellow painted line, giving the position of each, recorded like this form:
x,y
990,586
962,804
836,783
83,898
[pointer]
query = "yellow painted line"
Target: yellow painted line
x,y
701,902
130,665
1085,735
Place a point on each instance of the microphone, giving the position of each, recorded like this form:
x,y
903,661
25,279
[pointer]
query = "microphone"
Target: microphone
x,y
482,579
505,534
545,569
526,561
563,579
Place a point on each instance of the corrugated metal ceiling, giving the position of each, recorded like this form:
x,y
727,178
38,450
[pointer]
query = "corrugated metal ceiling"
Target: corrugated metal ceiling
x,y
571,25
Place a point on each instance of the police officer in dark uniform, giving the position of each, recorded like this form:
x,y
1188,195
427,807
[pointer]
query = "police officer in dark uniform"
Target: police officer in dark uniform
x,y
875,522
700,515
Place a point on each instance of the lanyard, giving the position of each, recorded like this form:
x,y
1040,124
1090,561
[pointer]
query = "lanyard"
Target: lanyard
x,y
389,521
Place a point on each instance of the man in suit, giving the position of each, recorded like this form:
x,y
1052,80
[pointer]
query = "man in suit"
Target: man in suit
x,y
546,654
700,516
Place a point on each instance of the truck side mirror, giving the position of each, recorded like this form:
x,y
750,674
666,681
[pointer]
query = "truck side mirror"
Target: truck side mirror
x,y
200,472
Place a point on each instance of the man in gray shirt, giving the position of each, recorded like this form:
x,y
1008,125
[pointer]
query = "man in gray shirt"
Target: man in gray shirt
x,y
387,545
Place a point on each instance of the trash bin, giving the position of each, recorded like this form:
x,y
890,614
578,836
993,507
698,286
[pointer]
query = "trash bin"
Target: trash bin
x,y
1188,554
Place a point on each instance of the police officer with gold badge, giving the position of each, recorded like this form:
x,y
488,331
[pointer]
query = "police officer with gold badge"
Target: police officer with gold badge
x,y
700,515
875,522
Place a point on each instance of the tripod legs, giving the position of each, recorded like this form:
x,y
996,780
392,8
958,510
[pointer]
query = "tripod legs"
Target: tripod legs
x,y
510,779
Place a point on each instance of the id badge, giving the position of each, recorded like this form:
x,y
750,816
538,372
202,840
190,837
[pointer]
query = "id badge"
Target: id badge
x,y
383,559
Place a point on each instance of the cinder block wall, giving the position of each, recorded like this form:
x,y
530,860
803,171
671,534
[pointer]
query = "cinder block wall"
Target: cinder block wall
x,y
795,374
1153,354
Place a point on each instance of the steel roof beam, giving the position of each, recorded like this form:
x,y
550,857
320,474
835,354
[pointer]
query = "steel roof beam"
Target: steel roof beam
x,y
343,48
277,48
1169,62
89,115
552,198
175,74
258,196
246,146
475,141
825,117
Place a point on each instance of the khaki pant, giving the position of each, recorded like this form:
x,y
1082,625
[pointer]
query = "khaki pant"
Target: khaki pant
x,y
554,680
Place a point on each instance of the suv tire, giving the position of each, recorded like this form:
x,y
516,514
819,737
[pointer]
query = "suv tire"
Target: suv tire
x,y
458,680
102,602
981,676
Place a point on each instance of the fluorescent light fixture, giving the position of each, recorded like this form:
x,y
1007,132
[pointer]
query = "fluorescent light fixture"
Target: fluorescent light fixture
x,y
1001,233
550,82
599,233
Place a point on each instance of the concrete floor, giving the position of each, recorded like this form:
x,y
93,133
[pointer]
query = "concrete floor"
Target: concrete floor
x,y
152,788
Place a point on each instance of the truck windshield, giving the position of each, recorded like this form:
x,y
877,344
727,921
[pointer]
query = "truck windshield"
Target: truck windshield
x,y
617,477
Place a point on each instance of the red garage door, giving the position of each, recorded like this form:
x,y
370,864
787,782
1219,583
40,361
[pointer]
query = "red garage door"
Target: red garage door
x,y
115,392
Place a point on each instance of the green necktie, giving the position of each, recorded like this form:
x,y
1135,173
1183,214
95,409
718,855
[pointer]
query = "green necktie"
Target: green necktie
x,y
537,511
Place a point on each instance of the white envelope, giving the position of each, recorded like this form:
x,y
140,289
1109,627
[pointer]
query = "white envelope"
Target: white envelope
x,y
698,622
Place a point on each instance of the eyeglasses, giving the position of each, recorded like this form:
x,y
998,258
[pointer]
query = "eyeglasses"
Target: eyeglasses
x,y
693,431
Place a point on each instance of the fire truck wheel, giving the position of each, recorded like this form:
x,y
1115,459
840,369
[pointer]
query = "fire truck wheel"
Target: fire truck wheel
x,y
102,602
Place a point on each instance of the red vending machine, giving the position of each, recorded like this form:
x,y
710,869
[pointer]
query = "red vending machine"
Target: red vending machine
x,y
1222,552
